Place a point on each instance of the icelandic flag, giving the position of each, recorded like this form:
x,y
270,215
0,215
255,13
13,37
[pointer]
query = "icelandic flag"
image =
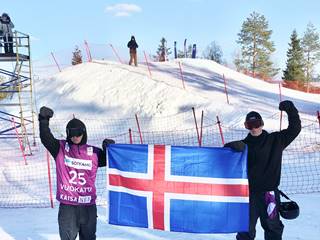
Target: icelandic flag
x,y
175,188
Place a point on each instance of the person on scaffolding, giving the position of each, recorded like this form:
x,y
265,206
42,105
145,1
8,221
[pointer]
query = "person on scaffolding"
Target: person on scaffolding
x,y
76,169
264,170
132,45
6,33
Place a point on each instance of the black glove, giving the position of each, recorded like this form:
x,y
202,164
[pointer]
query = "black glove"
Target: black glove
x,y
106,143
286,105
238,146
45,113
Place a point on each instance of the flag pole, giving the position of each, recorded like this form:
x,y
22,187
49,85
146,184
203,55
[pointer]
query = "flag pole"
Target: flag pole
x,y
220,130
195,121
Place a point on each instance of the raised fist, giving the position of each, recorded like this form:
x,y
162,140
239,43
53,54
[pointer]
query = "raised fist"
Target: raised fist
x,y
106,143
45,113
285,105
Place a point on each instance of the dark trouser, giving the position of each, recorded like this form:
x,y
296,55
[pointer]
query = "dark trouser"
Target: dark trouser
x,y
133,58
8,44
272,226
77,219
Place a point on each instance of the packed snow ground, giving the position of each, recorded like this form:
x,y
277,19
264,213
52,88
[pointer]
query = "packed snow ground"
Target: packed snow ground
x,y
41,224
105,89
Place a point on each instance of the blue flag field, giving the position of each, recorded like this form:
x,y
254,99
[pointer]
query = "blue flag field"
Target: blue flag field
x,y
178,188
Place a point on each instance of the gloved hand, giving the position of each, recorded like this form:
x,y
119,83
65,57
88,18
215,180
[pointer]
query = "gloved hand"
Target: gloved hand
x,y
106,143
45,113
286,105
238,146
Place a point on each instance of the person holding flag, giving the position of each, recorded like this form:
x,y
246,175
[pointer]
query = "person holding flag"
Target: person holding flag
x,y
76,169
264,170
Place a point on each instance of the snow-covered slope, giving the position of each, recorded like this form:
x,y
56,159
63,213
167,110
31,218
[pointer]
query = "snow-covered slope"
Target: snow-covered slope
x,y
104,89
109,89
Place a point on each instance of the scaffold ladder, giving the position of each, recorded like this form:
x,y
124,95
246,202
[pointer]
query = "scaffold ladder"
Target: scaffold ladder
x,y
17,92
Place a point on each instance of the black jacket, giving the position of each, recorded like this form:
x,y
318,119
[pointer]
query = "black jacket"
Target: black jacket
x,y
132,44
53,146
265,154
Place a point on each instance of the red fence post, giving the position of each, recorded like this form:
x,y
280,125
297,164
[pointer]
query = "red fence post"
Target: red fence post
x,y
130,136
201,126
88,51
280,120
195,121
280,94
225,88
280,100
145,56
54,59
137,120
220,129
19,140
49,180
115,53
182,79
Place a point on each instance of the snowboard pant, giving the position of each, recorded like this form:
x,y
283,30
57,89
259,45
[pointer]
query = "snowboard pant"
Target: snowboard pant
x,y
77,219
133,58
8,43
273,227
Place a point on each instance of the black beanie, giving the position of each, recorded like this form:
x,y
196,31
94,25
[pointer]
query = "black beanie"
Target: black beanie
x,y
252,116
75,127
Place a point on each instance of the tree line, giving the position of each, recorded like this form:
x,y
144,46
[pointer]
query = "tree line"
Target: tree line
x,y
303,54
256,49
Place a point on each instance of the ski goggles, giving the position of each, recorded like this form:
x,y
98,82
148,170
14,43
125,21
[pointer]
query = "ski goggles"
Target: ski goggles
x,y
75,132
253,124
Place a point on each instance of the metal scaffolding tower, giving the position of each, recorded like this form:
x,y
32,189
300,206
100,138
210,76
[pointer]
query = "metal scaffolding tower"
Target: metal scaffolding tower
x,y
16,95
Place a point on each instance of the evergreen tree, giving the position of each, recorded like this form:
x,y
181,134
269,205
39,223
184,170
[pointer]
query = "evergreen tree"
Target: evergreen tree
x,y
294,70
213,52
180,54
238,61
189,52
256,46
76,56
316,78
311,47
163,51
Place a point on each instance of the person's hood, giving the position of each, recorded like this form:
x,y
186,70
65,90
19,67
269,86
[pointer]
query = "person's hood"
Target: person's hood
x,y
73,128
5,17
